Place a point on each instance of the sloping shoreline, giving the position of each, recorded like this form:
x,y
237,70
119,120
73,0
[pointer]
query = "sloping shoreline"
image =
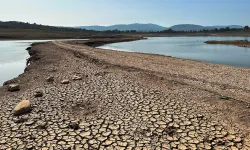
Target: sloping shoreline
x,y
126,100
239,43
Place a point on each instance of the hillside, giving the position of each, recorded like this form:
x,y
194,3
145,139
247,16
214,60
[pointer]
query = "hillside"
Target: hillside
x,y
193,27
126,27
22,30
24,25
155,28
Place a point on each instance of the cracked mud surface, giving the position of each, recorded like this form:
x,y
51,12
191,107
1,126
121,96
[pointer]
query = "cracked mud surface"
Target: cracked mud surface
x,y
125,101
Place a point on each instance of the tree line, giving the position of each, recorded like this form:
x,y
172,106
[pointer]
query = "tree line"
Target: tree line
x,y
23,25
227,29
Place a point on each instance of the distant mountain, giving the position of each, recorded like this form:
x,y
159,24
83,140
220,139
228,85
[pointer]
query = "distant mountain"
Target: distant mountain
x,y
193,27
121,27
154,27
125,27
26,25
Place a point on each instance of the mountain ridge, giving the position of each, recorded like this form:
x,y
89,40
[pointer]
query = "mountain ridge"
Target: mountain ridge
x,y
125,27
194,27
154,27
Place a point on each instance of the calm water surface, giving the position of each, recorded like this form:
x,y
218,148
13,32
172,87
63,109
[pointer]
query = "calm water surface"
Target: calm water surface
x,y
13,58
190,48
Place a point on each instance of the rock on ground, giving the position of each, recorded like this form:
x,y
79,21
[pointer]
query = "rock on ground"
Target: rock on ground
x,y
23,107
65,81
13,87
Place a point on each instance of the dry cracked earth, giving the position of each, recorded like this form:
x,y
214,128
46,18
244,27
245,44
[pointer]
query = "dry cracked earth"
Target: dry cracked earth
x,y
115,105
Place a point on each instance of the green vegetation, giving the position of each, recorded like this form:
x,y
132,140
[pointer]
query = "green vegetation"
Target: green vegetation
x,y
216,30
21,30
246,28
23,25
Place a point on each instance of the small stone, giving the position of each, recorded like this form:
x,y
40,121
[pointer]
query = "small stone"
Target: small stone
x,y
224,97
182,147
3,142
152,119
23,107
200,116
61,142
20,120
38,94
41,125
76,77
207,147
231,137
13,87
237,140
83,134
101,138
78,147
74,125
50,79
234,148
29,123
65,81
114,127
165,145
122,144
107,142
187,123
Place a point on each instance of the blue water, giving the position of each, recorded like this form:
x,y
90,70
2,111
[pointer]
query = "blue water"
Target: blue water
x,y
13,58
190,48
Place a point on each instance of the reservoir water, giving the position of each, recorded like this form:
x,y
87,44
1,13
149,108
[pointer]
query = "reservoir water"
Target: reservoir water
x,y
190,48
13,58
13,55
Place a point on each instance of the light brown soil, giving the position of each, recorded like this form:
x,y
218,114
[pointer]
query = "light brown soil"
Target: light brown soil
x,y
126,101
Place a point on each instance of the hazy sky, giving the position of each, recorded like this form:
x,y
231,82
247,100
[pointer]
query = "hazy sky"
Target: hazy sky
x,y
108,12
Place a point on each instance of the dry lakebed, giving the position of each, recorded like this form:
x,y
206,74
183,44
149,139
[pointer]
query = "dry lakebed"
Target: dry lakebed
x,y
74,96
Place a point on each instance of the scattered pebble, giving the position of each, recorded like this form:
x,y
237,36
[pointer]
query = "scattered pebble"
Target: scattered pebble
x,y
38,94
74,125
76,77
65,81
50,79
13,87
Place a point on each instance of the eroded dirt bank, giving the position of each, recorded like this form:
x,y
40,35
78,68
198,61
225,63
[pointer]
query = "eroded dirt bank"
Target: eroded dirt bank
x,y
125,101
239,43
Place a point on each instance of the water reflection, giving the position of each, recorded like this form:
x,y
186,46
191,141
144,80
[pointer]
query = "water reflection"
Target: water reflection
x,y
13,58
190,48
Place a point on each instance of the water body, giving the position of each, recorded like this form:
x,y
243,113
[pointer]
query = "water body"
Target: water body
x,y
192,48
13,58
